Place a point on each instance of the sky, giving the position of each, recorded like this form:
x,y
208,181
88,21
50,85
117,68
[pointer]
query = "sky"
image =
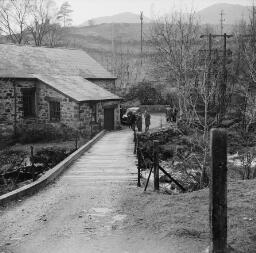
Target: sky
x,y
88,9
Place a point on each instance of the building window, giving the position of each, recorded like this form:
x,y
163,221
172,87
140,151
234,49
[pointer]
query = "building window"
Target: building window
x,y
54,111
94,112
29,102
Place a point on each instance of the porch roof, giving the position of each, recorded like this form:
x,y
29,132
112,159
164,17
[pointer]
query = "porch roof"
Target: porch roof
x,y
77,88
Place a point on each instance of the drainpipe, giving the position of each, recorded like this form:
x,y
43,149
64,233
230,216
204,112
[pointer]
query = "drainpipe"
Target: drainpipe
x,y
15,108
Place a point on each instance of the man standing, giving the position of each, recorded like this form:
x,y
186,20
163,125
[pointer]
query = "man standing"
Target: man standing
x,y
133,121
139,122
147,117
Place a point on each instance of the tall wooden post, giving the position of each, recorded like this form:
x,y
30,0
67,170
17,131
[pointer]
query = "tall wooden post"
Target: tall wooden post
x,y
218,191
141,36
32,162
223,85
156,168
135,142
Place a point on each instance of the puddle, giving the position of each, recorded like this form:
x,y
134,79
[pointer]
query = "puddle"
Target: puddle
x,y
119,217
101,210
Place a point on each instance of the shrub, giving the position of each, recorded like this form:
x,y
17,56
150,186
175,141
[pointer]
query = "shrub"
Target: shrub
x,y
146,93
47,132
49,157
14,158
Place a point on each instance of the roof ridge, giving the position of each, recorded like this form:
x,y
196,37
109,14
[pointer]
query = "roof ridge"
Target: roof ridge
x,y
44,46
42,60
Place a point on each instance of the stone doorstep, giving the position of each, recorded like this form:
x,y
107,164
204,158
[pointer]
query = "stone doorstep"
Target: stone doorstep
x,y
50,175
228,250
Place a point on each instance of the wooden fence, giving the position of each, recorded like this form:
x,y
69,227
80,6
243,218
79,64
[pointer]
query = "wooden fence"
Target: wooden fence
x,y
217,187
154,162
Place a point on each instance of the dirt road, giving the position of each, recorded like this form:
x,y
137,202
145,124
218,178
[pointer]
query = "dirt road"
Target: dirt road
x,y
92,207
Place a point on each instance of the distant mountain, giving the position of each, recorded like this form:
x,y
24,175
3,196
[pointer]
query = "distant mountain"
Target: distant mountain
x,y
233,13
125,17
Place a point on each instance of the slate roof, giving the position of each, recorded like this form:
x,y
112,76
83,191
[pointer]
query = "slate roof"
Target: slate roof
x,y
66,70
77,88
26,60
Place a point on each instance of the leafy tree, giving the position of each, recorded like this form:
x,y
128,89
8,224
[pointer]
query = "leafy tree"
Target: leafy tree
x,y
64,14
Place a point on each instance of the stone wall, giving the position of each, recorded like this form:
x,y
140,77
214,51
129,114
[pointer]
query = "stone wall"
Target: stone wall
x,y
7,101
73,114
69,108
108,84
87,126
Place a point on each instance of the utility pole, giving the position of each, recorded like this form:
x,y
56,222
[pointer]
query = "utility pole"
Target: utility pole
x,y
253,17
113,51
209,62
223,85
209,58
141,38
221,21
253,23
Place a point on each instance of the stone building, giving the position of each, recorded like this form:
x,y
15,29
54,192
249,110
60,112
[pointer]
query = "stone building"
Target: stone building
x,y
55,86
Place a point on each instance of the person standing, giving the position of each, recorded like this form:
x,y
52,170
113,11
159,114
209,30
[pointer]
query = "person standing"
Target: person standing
x,y
133,121
147,117
167,113
174,115
139,122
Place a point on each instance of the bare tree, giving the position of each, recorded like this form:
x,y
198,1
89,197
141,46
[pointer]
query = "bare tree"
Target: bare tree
x,y
14,18
182,57
42,14
176,39
54,35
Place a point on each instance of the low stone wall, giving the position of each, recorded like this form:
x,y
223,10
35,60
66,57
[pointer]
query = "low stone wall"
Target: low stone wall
x,y
153,108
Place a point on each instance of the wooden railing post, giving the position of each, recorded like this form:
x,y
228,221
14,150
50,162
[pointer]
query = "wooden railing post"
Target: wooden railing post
x,y
76,140
32,155
139,156
135,142
139,166
218,191
156,168
32,161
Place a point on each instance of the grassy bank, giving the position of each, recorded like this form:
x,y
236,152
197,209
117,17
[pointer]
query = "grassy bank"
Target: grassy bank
x,y
185,216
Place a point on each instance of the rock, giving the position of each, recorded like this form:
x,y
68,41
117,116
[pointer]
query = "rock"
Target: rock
x,y
25,183
165,179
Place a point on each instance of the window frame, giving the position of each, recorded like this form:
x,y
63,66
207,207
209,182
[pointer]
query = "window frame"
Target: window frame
x,y
29,102
94,112
54,111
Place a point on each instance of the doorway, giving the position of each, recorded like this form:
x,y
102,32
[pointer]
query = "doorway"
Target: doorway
x,y
109,118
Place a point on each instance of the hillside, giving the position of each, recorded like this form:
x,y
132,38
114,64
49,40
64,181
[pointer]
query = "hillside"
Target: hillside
x,y
125,17
116,44
102,38
233,13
